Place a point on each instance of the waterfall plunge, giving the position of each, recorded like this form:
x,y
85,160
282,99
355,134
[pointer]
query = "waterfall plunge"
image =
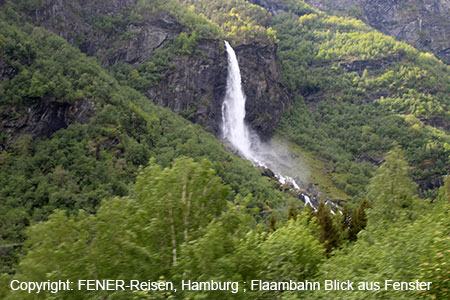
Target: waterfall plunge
x,y
239,134
233,112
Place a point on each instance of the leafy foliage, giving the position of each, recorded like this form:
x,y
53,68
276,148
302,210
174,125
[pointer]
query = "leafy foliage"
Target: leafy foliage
x,y
141,193
359,91
328,233
181,200
240,20
391,192
79,166
138,237
400,253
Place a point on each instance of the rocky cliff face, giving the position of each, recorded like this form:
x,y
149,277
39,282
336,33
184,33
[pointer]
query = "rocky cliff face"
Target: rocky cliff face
x,y
423,24
266,97
42,119
106,29
6,71
196,86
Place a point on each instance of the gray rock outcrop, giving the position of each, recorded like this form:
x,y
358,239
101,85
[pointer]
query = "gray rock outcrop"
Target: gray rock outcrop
x,y
43,118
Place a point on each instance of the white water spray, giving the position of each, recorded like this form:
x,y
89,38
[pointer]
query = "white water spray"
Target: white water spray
x,y
233,109
239,134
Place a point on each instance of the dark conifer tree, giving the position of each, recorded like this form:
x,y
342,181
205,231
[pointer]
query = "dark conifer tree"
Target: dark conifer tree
x,y
293,212
272,223
358,220
328,234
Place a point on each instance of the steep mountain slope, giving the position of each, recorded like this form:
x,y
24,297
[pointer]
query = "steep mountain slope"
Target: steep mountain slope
x,y
366,93
98,182
72,136
358,93
344,76
422,24
135,38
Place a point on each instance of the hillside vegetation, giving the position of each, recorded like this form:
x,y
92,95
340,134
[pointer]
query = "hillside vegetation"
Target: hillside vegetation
x,y
98,182
358,93
79,166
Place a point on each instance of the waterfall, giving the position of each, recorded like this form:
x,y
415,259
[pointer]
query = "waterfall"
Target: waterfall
x,y
236,131
233,109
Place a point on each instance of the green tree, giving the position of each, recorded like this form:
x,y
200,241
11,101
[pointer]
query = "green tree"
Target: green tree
x,y
391,192
179,201
437,268
272,222
444,191
137,237
292,251
405,251
328,233
293,211
229,250
358,220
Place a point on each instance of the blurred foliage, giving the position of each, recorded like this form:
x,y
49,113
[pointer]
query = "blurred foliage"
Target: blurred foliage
x,y
179,207
391,193
130,237
140,193
406,251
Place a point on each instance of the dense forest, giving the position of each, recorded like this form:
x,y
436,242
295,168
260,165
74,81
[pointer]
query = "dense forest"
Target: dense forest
x,y
106,174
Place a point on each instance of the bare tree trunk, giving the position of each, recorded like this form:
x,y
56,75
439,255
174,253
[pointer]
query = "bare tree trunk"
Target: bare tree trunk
x,y
173,237
186,217
187,205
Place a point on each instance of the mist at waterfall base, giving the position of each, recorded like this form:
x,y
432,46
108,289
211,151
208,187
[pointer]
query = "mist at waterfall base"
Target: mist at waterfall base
x,y
247,142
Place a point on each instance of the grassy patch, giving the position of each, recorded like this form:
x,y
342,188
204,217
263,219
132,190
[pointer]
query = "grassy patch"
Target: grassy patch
x,y
310,168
